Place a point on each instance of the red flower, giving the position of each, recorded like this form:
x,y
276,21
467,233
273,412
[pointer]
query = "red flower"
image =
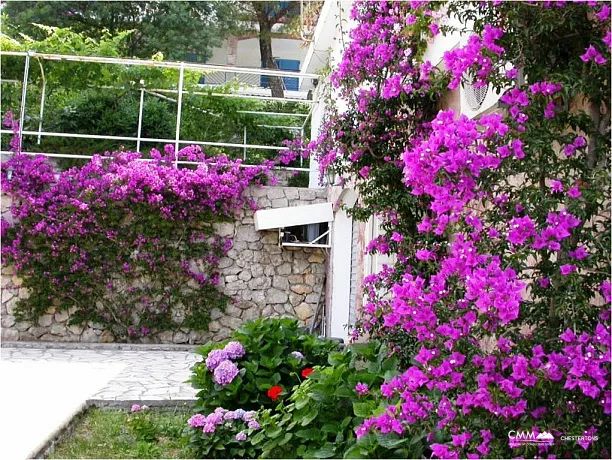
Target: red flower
x,y
274,392
306,372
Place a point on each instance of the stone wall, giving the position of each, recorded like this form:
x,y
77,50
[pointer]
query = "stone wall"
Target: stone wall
x,y
263,279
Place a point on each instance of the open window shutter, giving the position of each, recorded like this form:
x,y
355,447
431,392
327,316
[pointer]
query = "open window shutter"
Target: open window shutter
x,y
291,84
264,81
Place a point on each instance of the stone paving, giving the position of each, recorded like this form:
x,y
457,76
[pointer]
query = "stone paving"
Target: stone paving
x,y
152,375
52,385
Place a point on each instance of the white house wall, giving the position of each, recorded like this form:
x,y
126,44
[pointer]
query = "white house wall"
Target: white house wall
x,y
245,52
435,54
346,271
327,48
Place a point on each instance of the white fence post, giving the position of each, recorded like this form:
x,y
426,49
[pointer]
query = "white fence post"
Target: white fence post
x,y
178,113
140,115
24,92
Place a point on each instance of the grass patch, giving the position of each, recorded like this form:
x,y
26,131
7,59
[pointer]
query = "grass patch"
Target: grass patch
x,y
110,434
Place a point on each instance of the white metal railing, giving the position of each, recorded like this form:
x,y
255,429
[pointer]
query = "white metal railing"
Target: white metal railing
x,y
163,64
221,78
179,162
249,73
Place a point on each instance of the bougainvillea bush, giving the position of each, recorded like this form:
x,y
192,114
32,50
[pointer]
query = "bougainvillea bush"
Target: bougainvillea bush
x,y
122,243
258,366
500,225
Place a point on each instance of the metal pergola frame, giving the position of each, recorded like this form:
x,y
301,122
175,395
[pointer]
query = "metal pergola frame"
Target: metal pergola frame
x,y
177,141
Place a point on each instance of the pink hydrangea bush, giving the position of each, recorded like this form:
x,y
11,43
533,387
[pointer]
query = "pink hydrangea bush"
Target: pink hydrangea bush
x,y
223,433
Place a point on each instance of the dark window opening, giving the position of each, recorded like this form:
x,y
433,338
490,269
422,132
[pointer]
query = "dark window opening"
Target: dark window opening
x,y
304,234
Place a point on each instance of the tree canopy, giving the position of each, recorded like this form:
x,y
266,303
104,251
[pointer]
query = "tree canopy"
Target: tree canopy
x,y
177,29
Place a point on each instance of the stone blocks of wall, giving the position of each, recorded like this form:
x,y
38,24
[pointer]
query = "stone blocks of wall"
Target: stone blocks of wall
x,y
263,279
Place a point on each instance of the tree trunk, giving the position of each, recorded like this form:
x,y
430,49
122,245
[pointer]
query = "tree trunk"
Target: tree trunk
x,y
265,48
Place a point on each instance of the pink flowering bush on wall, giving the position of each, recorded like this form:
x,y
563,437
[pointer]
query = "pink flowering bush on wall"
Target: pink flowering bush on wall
x,y
499,303
124,243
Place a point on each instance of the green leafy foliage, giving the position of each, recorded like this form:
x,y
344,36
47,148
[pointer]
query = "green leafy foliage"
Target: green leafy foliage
x,y
104,100
268,362
299,180
142,426
319,419
104,433
154,25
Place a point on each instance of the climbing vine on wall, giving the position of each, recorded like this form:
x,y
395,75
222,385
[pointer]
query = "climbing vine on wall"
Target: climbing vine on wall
x,y
123,243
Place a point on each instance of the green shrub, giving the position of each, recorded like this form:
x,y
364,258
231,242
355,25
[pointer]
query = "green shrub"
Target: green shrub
x,y
267,362
301,179
141,424
320,417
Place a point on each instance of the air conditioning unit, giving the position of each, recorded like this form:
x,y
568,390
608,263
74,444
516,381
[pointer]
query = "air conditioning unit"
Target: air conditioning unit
x,y
476,100
473,95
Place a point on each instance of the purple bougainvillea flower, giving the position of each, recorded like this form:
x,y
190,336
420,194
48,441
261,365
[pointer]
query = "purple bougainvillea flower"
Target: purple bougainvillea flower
x,y
460,440
587,438
443,451
568,336
556,186
361,388
591,54
567,269
574,192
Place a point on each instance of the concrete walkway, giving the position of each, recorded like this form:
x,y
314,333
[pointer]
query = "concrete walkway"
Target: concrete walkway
x,y
41,389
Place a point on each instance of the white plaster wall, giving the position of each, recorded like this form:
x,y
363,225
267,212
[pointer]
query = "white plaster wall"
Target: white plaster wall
x,y
341,275
373,263
318,111
330,38
248,55
435,54
219,55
